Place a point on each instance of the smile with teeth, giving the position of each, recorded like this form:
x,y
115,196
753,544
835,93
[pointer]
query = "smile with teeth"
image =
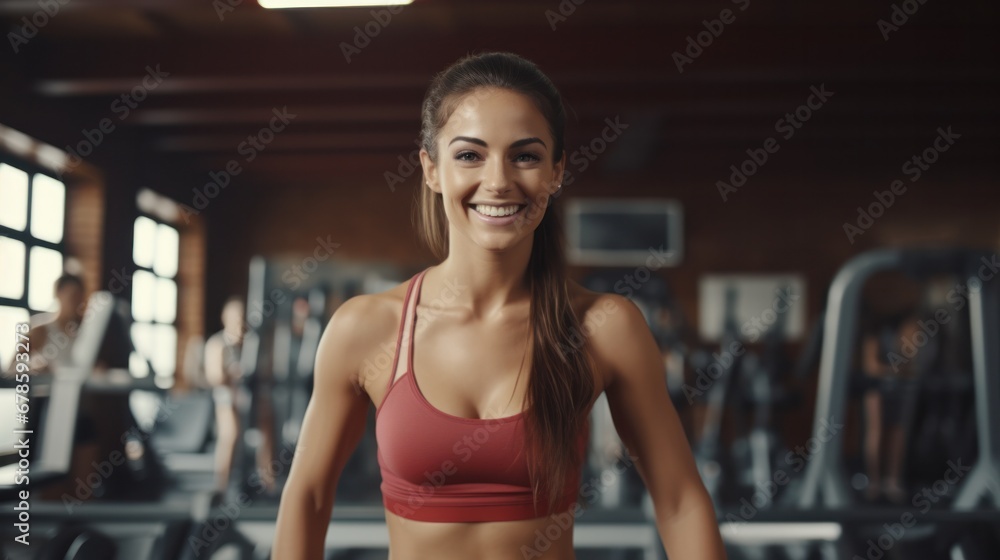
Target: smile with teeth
x,y
497,211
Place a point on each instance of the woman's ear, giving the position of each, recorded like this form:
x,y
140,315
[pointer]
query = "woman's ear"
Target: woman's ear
x,y
559,169
430,171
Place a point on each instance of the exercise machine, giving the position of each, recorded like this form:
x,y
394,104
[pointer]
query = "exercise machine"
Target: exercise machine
x,y
817,515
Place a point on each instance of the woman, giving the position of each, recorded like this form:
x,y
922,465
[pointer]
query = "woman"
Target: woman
x,y
52,345
54,339
224,374
507,355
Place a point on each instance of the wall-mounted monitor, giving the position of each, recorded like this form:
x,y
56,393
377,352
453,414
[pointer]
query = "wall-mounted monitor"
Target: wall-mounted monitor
x,y
624,232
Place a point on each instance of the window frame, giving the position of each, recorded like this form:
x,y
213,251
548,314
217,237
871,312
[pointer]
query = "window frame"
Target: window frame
x,y
151,270
26,237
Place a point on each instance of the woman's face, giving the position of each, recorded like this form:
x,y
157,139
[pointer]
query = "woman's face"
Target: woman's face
x,y
70,298
494,158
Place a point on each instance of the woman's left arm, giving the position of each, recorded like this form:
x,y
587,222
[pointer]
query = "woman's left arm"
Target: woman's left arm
x,y
648,425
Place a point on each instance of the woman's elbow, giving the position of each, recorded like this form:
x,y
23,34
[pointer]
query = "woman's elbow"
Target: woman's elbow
x,y
312,497
301,527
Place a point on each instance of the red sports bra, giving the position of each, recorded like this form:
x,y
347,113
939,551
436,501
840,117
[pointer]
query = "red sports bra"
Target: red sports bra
x,y
439,467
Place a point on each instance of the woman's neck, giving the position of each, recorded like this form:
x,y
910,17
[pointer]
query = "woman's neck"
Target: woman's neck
x,y
485,284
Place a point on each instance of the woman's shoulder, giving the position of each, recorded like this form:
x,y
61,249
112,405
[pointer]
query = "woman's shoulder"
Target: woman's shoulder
x,y
599,306
362,324
612,324
374,306
40,328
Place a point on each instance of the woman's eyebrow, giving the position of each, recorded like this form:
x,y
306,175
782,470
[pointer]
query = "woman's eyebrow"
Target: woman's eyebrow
x,y
527,141
517,144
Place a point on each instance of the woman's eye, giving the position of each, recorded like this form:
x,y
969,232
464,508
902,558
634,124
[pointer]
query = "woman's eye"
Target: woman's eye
x,y
519,158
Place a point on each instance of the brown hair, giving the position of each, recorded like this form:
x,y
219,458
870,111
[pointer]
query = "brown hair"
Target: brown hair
x,y
561,382
67,279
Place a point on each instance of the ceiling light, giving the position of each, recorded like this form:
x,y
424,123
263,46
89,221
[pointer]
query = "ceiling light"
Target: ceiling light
x,y
277,4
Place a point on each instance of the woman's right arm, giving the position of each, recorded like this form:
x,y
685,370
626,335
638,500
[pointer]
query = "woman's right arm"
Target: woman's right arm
x,y
334,423
214,371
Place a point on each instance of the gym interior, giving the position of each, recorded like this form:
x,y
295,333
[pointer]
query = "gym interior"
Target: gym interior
x,y
796,196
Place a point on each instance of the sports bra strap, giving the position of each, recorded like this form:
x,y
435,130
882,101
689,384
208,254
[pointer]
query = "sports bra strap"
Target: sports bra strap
x,y
405,331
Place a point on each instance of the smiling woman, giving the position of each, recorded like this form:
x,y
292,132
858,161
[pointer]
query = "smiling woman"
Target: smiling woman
x,y
492,141
475,462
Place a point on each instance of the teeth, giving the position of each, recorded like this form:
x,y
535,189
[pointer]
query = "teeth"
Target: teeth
x,y
496,211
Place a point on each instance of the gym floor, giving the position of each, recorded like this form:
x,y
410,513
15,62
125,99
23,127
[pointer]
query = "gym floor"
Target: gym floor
x,y
801,198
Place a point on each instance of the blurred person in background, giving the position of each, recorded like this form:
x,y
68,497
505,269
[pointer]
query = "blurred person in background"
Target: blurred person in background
x,y
51,344
224,374
52,341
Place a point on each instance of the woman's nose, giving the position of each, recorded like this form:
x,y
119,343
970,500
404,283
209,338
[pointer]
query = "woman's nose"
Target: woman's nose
x,y
496,179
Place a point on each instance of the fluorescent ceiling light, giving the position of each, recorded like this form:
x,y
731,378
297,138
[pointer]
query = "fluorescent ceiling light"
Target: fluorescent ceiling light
x,y
276,4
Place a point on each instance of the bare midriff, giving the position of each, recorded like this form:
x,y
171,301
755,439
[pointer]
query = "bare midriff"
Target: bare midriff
x,y
545,538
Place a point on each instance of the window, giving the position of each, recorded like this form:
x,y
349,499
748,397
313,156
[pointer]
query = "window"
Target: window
x,y
155,251
32,219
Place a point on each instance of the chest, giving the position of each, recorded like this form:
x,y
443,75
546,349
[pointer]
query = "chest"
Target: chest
x,y
471,367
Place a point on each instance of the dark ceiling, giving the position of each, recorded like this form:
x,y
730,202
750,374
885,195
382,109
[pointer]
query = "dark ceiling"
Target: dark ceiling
x,y
230,63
